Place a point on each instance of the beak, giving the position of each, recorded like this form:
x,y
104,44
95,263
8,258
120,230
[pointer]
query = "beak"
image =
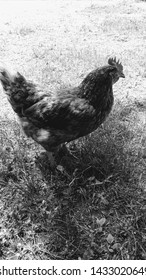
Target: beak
x,y
122,75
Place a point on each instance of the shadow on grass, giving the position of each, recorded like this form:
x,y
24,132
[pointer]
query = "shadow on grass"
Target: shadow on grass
x,y
91,207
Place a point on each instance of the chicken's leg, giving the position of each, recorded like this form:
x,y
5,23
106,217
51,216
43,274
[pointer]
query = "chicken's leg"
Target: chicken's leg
x,y
51,159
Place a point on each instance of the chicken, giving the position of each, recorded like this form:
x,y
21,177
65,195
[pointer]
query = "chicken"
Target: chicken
x,y
52,120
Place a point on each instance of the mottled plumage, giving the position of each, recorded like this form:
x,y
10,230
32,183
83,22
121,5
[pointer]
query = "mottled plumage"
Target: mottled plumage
x,y
52,120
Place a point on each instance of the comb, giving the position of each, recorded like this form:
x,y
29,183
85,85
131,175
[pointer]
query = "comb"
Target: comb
x,y
114,62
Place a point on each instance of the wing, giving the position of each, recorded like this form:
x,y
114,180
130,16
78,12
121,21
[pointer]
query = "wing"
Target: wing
x,y
67,114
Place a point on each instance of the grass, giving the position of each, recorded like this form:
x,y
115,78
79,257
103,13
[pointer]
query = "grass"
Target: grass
x,y
93,205
92,208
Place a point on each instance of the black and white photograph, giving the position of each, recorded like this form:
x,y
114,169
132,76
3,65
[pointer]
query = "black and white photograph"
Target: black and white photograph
x,y
73,131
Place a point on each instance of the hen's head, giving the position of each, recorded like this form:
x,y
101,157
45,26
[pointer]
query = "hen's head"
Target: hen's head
x,y
117,70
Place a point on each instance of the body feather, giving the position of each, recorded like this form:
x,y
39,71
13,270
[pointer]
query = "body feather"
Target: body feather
x,y
52,120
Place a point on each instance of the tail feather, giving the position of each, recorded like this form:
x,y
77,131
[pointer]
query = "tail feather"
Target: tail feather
x,y
15,87
6,77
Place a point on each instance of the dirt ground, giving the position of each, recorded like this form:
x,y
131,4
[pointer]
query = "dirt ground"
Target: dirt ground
x,y
59,42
